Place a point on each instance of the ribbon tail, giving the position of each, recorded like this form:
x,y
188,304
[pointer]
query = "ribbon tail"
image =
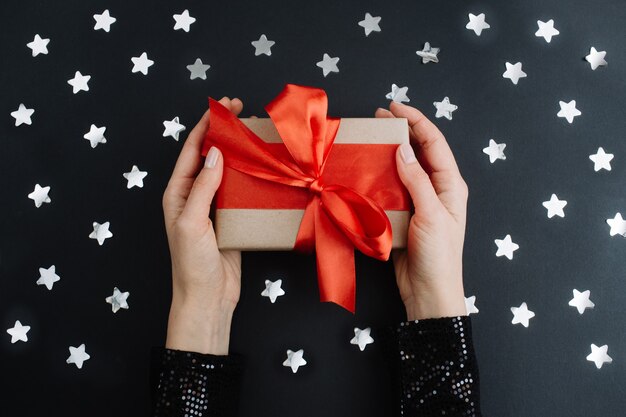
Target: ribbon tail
x,y
336,275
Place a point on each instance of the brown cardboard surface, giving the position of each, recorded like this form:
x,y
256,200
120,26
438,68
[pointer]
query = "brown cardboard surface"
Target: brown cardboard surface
x,y
276,229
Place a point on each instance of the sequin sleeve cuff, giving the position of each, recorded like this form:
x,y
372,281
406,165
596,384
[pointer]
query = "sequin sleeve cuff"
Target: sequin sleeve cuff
x,y
194,384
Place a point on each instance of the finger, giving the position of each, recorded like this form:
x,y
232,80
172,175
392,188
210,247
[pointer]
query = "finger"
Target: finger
x,y
383,113
204,188
432,144
236,106
416,180
253,117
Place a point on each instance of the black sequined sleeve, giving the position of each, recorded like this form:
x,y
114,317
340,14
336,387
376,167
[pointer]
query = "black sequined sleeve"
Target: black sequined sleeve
x,y
194,384
434,367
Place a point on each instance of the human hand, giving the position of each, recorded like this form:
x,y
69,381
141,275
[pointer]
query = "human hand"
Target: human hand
x,y
429,272
206,282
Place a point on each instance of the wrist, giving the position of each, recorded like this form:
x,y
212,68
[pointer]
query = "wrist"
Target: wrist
x,y
435,303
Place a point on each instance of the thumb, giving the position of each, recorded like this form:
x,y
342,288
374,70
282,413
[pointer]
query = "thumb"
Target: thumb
x,y
416,180
204,187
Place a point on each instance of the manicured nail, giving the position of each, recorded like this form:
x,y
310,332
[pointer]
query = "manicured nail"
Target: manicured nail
x,y
407,153
211,158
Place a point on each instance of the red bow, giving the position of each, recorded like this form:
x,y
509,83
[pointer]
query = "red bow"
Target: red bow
x,y
337,219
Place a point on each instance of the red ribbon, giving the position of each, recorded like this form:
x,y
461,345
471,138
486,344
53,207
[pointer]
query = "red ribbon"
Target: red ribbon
x,y
337,219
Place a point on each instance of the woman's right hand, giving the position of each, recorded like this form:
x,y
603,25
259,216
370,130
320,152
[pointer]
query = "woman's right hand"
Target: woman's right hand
x,y
429,272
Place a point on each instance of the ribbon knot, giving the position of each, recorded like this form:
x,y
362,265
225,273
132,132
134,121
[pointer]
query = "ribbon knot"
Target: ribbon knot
x,y
335,222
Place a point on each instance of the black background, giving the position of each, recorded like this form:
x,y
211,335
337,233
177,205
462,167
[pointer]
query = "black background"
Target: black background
x,y
535,371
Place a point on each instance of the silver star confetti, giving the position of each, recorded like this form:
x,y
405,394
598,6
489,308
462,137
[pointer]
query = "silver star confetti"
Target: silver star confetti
x,y
596,58
39,45
263,46
470,305
198,70
328,64
568,110
48,277
398,94
617,225
444,108
40,195
294,360
362,338
183,21
95,135
100,232
601,160
141,63
18,332
428,54
273,290
581,301
477,23
172,128
555,206
118,300
506,247
78,356
103,21
599,355
135,177
370,24
495,151
546,30
22,115
514,72
522,315
79,82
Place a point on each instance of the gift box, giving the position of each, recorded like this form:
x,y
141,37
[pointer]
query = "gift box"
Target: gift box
x,y
301,180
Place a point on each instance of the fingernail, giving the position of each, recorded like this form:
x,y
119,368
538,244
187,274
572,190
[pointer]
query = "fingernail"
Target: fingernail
x,y
407,153
211,158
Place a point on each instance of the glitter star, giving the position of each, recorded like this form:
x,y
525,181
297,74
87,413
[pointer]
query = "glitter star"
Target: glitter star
x,y
172,128
18,332
101,232
514,72
103,21
596,58
263,46
568,110
370,24
495,151
599,355
328,64
40,195
601,160
555,206
118,300
78,356
48,277
22,115
581,301
617,224
470,305
79,82
362,338
135,177
428,54
273,289
294,360
522,315
546,30
398,94
444,108
506,247
141,63
198,70
477,23
183,21
95,135
39,45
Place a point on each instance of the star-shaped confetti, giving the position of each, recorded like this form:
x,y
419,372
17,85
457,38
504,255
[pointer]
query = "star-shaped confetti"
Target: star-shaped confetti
x,y
95,135
370,24
48,276
470,305
135,177
328,64
18,332
398,94
141,63
444,108
428,54
506,247
198,70
596,58
22,115
263,46
39,45
362,338
522,315
273,290
477,23
617,225
100,232
599,355
183,21
601,160
40,195
78,356
581,301
118,300
103,21
555,206
495,151
568,110
79,82
546,30
172,128
294,360
514,72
